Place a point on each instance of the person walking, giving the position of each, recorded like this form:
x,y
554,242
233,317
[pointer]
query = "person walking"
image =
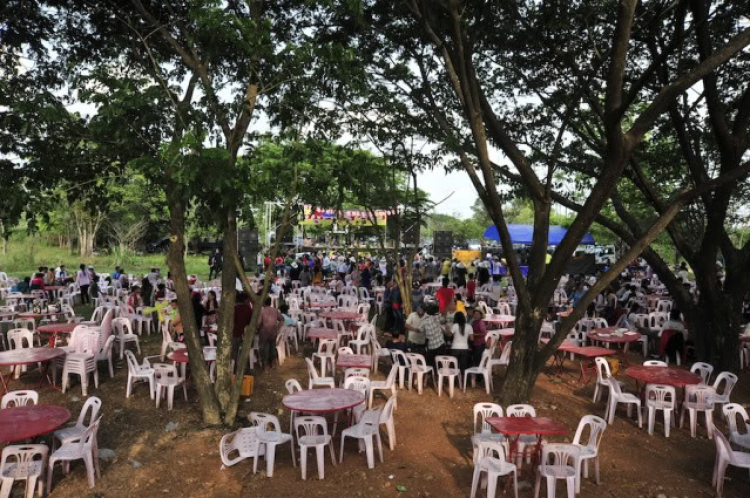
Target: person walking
x,y
83,282
215,264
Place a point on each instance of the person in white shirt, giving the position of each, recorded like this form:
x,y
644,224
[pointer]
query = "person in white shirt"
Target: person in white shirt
x,y
83,282
461,333
682,274
342,267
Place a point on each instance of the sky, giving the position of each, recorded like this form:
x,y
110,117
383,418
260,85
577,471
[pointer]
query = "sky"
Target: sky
x,y
439,185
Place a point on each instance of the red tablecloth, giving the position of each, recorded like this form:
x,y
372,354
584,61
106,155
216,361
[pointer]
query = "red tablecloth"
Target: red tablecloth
x,y
630,336
26,422
514,426
39,316
181,356
57,328
323,400
587,351
499,319
669,376
29,355
321,333
354,361
323,305
340,315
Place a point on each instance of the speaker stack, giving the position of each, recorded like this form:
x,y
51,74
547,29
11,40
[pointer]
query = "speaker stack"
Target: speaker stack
x,y
442,245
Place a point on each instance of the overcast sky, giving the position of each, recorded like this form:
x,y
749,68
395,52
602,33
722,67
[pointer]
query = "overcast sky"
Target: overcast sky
x,y
440,185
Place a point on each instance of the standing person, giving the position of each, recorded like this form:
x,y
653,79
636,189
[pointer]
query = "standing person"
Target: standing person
x,y
326,266
304,277
444,296
446,269
416,339
199,311
135,300
342,268
429,270
461,274
471,288
433,332
146,292
479,331
388,296
83,282
218,263
270,322
366,277
243,313
461,333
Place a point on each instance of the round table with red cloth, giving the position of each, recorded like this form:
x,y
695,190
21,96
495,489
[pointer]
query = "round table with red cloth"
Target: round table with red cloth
x,y
39,316
499,319
181,356
340,315
354,361
323,400
629,336
669,376
26,422
56,329
516,426
27,356
322,333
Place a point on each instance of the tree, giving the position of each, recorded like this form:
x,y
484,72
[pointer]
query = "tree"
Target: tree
x,y
459,71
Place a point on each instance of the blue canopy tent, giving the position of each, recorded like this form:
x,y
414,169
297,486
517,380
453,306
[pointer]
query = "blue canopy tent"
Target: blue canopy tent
x,y
524,234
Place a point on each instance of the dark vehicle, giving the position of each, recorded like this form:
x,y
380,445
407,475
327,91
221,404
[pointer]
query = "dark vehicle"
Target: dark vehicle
x,y
206,245
158,246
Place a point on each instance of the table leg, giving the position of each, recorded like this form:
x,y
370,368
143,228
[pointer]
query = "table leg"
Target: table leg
x,y
5,384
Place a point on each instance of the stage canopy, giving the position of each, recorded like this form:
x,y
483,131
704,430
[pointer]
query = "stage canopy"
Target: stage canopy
x,y
524,234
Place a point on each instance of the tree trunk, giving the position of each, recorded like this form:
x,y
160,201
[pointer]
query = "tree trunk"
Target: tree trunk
x,y
523,369
210,409
5,243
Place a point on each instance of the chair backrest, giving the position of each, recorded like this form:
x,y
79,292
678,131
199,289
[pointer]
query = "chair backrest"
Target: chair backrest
x,y
602,369
311,369
654,363
483,411
657,319
389,381
24,323
486,356
559,455
446,362
699,397
505,355
19,398
133,366
327,347
356,372
729,380
164,370
89,436
344,350
596,426
504,309
703,369
664,306
732,412
387,412
369,422
89,411
399,358
662,395
121,326
520,411
236,446
357,383
417,360
723,447
262,422
310,426
28,460
20,338
292,386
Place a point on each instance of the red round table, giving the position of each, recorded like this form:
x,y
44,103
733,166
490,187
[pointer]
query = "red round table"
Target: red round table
x,y
517,426
323,400
181,356
499,319
322,333
27,356
26,422
663,375
39,316
56,329
608,335
323,305
340,315
354,361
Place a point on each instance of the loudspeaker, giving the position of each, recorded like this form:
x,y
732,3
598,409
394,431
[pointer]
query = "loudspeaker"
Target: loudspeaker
x,y
287,235
247,245
442,244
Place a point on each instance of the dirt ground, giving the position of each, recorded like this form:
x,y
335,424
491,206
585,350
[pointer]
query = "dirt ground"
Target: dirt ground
x,y
432,457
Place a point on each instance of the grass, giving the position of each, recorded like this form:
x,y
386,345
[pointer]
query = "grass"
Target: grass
x,y
27,253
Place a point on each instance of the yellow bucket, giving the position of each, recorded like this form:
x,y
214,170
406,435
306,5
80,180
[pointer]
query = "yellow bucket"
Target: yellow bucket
x,y
248,381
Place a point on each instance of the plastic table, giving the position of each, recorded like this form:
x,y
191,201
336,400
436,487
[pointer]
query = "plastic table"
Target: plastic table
x,y
354,361
322,333
323,305
586,355
669,376
55,329
39,316
340,315
512,427
28,356
181,356
26,422
503,320
609,335
323,400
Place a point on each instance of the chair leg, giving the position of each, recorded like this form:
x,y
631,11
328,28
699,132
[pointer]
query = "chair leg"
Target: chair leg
x,y
491,485
475,482
303,461
270,457
341,453
370,452
320,453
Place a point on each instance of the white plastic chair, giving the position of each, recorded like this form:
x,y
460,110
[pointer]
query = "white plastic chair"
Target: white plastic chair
x,y
362,342
558,462
367,428
312,432
124,333
664,398
726,456
83,361
504,359
698,399
495,467
138,373
21,339
237,446
723,386
616,396
590,450
389,384
26,462
703,369
326,354
356,372
19,398
418,370
315,379
399,358
167,377
483,369
386,418
732,412
525,443
104,353
447,367
482,429
267,440
85,448
73,433
603,375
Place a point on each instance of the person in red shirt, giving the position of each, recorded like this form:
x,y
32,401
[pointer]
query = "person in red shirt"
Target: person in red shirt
x,y
445,297
471,288
37,283
243,313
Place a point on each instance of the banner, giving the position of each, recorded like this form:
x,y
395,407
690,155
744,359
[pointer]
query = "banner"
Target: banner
x,y
319,216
